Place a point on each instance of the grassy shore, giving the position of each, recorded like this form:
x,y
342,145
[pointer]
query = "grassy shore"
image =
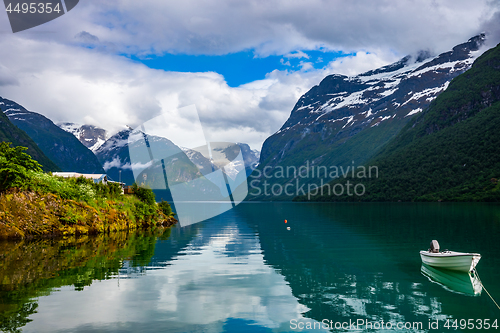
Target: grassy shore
x,y
34,203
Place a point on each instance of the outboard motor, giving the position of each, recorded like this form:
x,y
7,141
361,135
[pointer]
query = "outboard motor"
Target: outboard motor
x,y
434,246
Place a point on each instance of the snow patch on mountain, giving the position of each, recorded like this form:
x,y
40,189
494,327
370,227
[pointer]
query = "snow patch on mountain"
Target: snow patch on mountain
x,y
412,112
90,136
430,93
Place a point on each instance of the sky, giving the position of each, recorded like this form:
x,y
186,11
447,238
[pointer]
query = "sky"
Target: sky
x,y
243,64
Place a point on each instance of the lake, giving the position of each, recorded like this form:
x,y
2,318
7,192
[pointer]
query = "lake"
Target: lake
x,y
331,266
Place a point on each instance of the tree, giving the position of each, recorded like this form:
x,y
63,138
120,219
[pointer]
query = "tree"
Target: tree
x,y
165,208
146,195
14,166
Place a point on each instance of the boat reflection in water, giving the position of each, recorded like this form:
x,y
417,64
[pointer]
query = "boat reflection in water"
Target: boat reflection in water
x,y
456,281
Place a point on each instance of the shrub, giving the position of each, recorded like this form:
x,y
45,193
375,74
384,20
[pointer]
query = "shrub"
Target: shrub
x,y
15,165
165,208
146,195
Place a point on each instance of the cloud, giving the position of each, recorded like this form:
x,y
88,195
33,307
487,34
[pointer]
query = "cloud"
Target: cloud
x,y
81,85
492,28
287,63
85,37
359,63
274,26
7,77
78,73
298,54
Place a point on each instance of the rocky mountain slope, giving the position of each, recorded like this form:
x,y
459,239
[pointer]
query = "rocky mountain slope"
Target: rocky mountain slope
x,y
115,159
344,120
450,151
90,136
61,147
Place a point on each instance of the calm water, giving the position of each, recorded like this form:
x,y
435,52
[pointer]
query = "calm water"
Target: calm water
x,y
245,272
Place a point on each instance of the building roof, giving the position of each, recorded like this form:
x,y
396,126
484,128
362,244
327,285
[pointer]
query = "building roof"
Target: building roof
x,y
76,175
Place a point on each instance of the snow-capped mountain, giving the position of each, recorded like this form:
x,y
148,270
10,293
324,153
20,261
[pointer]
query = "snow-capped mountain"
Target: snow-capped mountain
x,y
115,159
90,136
402,89
251,157
346,120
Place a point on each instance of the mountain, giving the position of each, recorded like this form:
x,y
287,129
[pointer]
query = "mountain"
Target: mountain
x,y
61,147
11,133
90,136
450,151
250,156
344,121
114,157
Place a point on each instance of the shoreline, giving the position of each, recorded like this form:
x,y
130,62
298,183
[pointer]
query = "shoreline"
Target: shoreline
x,y
32,215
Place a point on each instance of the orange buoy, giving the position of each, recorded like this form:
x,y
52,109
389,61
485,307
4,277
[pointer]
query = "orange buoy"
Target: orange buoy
x,y
285,221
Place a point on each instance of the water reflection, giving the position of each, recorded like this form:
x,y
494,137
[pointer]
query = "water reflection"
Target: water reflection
x,y
30,269
460,282
244,271
207,278
350,262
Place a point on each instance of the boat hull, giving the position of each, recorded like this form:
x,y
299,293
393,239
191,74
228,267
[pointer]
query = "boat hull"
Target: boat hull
x,y
457,261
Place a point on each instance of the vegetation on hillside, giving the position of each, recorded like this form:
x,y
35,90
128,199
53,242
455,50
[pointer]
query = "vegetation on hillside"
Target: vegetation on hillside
x,y
34,203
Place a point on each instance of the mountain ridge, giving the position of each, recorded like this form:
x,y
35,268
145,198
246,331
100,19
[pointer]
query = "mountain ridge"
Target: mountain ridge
x,y
63,148
449,152
11,133
346,120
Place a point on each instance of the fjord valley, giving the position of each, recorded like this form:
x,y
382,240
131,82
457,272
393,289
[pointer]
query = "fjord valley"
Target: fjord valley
x,y
80,256
63,148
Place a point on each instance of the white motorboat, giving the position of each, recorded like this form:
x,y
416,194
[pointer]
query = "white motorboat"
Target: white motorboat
x,y
457,261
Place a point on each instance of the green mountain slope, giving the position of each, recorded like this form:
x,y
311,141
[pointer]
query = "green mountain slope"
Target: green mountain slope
x,y
450,152
11,133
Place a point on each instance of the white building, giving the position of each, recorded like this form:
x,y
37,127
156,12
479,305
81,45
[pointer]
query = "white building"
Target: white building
x,y
97,178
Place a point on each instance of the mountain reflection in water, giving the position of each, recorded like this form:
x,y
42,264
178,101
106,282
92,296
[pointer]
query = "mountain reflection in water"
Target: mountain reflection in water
x,y
246,271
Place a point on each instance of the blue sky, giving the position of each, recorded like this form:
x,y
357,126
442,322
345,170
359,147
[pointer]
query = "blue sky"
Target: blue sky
x,y
241,67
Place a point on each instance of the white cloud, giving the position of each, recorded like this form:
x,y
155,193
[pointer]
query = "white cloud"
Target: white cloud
x,y
76,73
287,63
270,27
360,62
298,54
68,83
116,163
